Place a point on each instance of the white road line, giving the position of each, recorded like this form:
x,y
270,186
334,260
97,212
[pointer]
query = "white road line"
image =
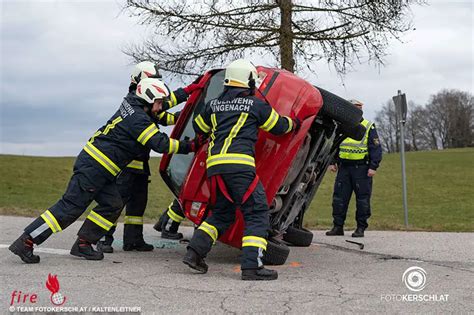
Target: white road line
x,y
55,251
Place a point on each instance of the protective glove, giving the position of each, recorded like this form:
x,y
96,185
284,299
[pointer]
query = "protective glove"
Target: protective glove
x,y
193,87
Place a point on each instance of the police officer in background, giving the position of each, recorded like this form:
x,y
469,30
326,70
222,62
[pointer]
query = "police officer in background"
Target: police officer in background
x,y
129,132
356,164
233,120
134,179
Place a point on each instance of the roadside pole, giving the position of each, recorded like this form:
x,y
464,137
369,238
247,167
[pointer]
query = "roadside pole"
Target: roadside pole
x,y
401,106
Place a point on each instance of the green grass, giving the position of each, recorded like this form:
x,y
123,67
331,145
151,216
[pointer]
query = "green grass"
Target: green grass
x,y
440,191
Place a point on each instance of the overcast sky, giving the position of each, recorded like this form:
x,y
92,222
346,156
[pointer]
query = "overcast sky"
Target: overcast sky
x,y
63,73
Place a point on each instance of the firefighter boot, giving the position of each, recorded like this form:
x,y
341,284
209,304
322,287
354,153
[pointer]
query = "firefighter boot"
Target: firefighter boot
x,y
83,248
259,274
158,224
23,247
359,232
336,230
194,261
169,228
140,246
105,245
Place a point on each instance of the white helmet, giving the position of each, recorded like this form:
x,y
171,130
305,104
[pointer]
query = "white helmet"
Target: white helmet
x,y
240,73
151,89
144,69
356,102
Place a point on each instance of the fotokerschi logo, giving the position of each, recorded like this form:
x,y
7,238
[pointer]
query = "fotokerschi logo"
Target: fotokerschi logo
x,y
414,278
53,285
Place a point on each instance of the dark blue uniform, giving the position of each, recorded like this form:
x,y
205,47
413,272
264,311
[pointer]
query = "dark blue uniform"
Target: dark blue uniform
x,y
233,121
129,133
352,177
133,182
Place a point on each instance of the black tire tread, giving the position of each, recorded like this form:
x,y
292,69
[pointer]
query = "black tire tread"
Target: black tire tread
x,y
340,109
298,237
276,253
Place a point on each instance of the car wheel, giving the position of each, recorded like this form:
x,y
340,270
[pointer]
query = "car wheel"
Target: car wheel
x,y
339,109
356,132
276,253
298,237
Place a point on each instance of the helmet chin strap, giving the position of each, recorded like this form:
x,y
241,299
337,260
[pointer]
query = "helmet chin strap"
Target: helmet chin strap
x,y
251,84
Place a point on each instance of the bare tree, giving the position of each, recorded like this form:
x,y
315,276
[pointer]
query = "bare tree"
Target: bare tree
x,y
387,121
447,121
451,113
192,36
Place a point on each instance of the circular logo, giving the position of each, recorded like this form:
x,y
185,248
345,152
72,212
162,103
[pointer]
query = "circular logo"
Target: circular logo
x,y
414,278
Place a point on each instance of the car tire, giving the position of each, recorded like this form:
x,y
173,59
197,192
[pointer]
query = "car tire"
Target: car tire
x,y
298,237
356,132
276,253
339,109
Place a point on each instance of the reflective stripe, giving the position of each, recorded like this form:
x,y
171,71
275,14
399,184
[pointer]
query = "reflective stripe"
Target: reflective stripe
x,y
174,216
174,146
233,132
136,165
352,150
112,124
161,115
230,158
100,220
170,119
174,100
236,83
290,124
51,221
147,134
271,121
133,220
202,124
254,241
213,137
39,230
100,157
209,229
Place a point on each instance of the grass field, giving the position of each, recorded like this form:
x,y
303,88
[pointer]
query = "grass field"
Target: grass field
x,y
440,191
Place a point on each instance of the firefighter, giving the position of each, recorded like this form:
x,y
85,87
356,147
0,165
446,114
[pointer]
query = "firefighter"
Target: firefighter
x,y
356,163
233,120
126,135
134,179
170,221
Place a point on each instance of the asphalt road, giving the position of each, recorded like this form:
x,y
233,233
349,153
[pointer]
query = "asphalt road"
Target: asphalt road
x,y
330,276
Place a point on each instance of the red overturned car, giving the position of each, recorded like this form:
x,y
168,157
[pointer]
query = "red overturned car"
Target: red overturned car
x,y
290,167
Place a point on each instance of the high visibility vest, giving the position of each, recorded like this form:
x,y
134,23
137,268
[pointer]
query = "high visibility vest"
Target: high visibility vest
x,y
351,149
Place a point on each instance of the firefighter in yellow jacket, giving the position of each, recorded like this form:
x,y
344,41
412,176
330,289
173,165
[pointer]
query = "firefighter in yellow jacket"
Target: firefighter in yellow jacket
x,y
129,132
233,121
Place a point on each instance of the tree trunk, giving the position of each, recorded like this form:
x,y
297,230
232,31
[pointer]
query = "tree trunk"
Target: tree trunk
x,y
286,36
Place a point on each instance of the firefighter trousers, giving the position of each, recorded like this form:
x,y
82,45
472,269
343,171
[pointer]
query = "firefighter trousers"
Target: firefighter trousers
x,y
172,217
352,178
87,184
255,213
133,188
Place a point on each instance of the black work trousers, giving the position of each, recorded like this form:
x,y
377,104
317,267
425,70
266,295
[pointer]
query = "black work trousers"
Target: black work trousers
x,y
87,184
256,216
352,178
133,188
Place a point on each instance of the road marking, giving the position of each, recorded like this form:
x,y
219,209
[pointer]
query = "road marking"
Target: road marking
x,y
55,251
